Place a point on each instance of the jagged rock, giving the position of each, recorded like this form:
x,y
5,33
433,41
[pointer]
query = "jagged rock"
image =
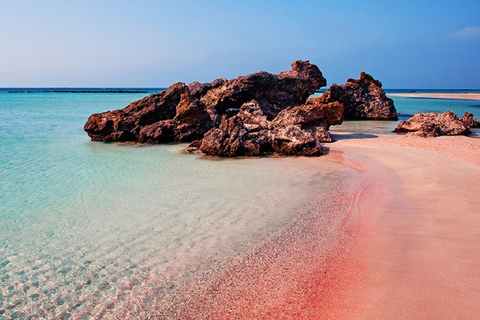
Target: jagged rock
x,y
192,119
126,124
296,131
364,99
314,111
159,132
245,134
470,121
194,109
291,140
433,125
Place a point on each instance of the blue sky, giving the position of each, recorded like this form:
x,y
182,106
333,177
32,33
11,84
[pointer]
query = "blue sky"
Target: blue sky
x,y
404,44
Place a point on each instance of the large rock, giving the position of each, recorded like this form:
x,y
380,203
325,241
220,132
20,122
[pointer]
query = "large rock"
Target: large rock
x,y
186,113
364,99
296,131
433,125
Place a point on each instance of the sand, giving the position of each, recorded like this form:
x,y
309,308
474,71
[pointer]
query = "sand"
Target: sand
x,y
467,96
416,253
400,242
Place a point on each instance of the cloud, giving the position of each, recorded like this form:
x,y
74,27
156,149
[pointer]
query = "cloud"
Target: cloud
x,y
466,34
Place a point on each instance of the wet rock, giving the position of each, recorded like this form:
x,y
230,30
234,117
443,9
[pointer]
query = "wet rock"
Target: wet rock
x,y
363,99
433,125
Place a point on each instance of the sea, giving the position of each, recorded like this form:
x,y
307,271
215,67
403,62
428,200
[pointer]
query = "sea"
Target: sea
x,y
117,230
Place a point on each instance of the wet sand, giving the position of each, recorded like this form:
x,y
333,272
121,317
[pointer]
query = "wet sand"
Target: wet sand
x,y
466,96
397,239
416,255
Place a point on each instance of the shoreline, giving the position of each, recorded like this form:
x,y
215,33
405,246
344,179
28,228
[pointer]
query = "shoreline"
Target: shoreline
x,y
461,96
399,242
417,229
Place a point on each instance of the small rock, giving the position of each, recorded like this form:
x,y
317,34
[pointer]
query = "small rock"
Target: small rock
x,y
433,125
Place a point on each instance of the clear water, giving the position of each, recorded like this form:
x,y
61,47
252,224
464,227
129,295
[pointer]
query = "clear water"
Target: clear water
x,y
91,229
407,107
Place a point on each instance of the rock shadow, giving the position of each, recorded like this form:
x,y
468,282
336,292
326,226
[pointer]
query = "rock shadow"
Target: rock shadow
x,y
347,136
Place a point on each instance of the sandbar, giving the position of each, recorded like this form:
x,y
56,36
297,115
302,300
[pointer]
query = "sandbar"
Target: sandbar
x,y
462,96
416,253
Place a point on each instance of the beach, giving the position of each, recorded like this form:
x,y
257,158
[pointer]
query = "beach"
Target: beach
x,y
400,242
463,96
95,230
415,255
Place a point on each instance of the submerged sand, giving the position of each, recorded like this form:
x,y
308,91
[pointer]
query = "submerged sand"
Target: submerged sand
x,y
465,96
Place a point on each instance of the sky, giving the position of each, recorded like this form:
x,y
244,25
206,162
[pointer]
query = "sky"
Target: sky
x,y
143,43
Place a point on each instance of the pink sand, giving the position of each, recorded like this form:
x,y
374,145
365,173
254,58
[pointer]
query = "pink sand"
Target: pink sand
x,y
417,244
400,242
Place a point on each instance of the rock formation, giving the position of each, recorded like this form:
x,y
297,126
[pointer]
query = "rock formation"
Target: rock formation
x,y
295,131
256,114
185,113
470,121
433,125
364,99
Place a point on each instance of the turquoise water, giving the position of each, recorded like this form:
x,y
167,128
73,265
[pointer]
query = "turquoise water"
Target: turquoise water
x,y
107,230
407,107
92,229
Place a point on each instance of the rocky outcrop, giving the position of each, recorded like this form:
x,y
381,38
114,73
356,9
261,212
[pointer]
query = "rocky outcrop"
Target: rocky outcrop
x,y
470,121
364,99
433,125
295,131
185,113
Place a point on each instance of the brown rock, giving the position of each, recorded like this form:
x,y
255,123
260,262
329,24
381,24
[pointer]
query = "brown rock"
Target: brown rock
x,y
192,119
470,121
126,124
273,92
244,134
364,99
296,131
291,140
313,112
433,125
158,132
194,109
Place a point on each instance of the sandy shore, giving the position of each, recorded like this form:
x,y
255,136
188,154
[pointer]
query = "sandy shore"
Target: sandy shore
x,y
397,239
466,96
416,255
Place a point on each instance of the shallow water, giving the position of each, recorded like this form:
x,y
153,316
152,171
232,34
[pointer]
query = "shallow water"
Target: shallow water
x,y
95,229
407,107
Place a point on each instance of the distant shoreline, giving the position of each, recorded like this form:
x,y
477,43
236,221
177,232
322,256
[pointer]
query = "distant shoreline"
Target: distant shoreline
x,y
463,96
77,91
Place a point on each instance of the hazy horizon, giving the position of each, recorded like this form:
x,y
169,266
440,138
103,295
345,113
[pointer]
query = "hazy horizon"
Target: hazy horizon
x,y
152,44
